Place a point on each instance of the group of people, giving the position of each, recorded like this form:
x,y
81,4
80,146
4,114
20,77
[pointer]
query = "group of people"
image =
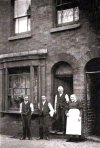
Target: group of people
x,y
66,113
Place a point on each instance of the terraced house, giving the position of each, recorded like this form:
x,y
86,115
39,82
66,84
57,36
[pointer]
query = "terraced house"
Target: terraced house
x,y
46,43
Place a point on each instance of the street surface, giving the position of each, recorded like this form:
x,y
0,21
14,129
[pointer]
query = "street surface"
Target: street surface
x,y
11,142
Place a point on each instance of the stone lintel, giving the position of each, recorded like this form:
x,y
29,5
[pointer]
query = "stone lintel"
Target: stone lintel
x,y
24,53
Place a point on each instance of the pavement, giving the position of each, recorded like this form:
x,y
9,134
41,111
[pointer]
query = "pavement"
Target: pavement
x,y
14,142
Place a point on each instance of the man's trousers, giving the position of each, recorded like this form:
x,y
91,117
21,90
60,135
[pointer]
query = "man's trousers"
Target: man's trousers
x,y
26,122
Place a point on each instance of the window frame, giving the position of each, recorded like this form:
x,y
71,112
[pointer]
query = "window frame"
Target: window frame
x,y
28,17
33,73
11,90
16,98
69,5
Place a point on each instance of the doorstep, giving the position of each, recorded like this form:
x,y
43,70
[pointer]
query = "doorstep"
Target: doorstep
x,y
55,134
93,138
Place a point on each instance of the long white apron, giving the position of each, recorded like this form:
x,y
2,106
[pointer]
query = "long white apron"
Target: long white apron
x,y
73,125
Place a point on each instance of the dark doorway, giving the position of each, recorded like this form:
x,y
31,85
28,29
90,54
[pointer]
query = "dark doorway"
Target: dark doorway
x,y
93,96
97,129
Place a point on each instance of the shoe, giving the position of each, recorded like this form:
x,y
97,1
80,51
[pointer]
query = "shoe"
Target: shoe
x,y
29,138
46,138
39,138
67,140
22,138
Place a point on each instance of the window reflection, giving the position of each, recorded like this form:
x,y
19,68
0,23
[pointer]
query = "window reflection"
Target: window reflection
x,y
68,15
67,11
19,85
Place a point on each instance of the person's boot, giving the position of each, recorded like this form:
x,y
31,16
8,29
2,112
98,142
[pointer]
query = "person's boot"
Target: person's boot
x,y
40,138
22,138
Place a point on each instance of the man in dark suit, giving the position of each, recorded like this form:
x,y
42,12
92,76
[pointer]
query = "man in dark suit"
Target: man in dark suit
x,y
60,106
45,111
26,110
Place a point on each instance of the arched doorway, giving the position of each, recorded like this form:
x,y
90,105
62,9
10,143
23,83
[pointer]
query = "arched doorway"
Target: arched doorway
x,y
62,76
93,96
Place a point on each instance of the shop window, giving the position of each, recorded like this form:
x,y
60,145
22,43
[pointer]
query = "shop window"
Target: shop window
x,y
22,16
18,86
67,12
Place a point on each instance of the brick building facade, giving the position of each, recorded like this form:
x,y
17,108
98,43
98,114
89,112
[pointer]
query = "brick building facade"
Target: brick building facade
x,y
50,51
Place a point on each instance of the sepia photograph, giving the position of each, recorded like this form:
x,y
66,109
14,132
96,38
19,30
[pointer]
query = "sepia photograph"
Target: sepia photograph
x,y
49,73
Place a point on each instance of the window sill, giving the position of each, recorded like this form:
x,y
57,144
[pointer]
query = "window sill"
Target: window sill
x,y
20,36
62,28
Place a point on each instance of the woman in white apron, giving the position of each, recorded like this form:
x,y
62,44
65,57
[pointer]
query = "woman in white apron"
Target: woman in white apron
x,y
73,125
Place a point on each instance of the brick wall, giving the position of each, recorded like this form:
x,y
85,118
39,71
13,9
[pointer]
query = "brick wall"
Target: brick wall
x,y
12,125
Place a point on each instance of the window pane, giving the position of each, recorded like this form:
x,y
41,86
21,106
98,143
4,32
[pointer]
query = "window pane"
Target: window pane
x,y
22,81
76,11
11,102
22,24
14,102
67,16
59,14
16,26
28,6
10,81
29,24
18,81
19,85
28,92
19,92
27,77
22,8
15,82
